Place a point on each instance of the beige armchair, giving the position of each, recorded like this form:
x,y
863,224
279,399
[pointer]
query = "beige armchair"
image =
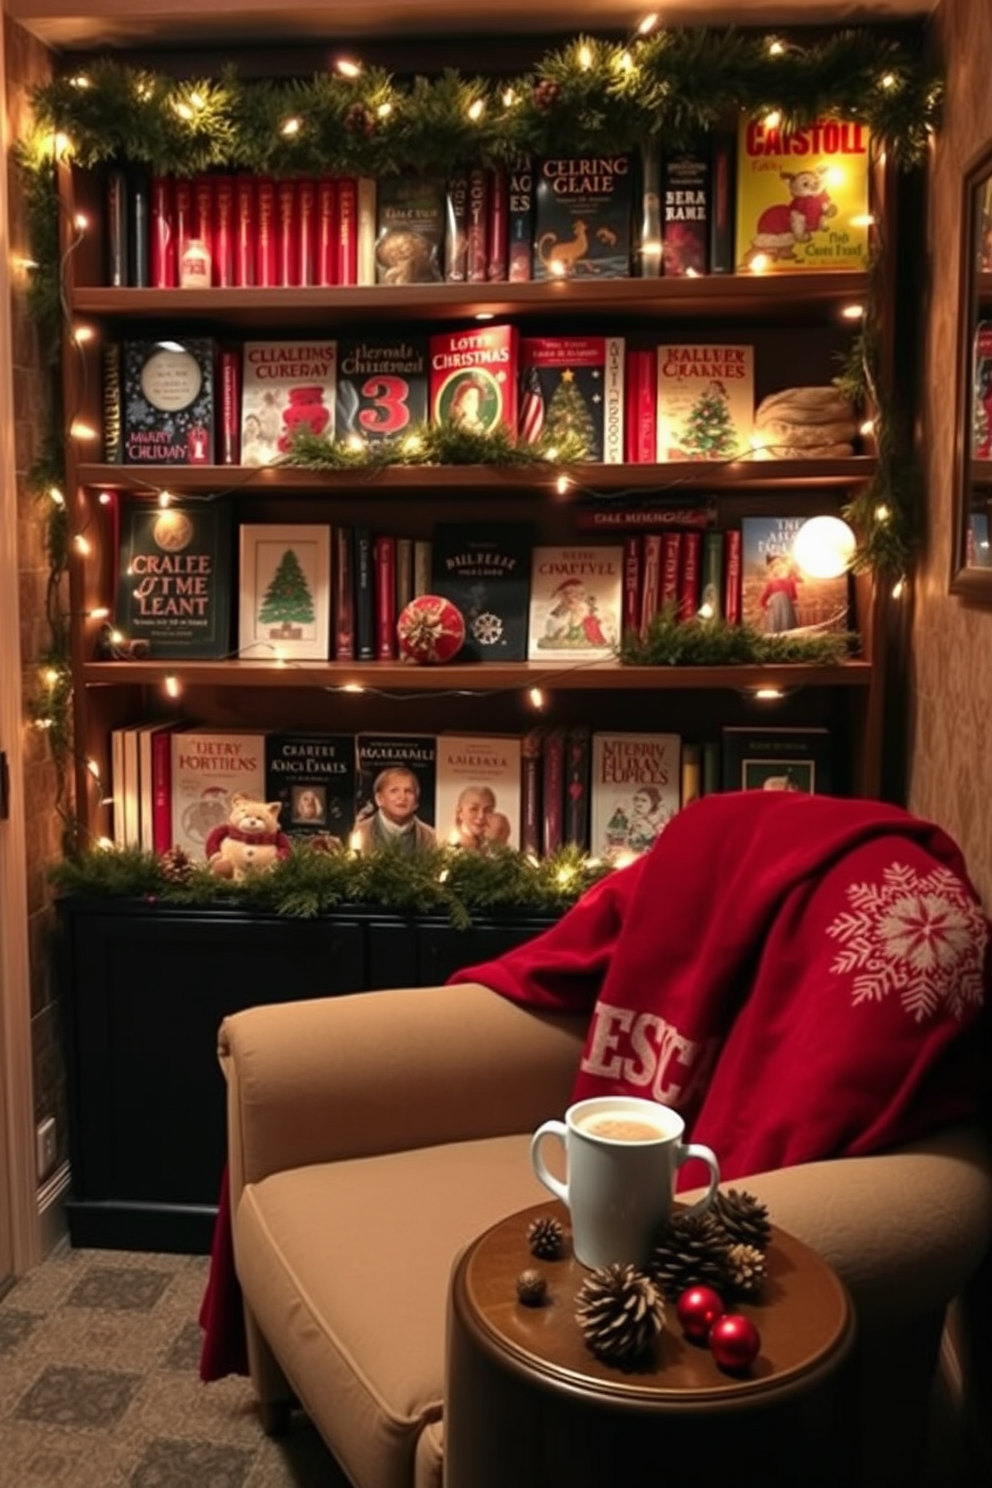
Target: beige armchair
x,y
372,1136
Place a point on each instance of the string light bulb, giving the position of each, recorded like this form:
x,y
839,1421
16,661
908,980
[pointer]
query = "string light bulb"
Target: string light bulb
x,y
562,484
648,24
824,547
347,67
585,57
171,685
536,697
476,110
80,430
55,496
81,544
289,127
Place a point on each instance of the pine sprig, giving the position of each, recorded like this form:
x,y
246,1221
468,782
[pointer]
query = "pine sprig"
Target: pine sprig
x,y
432,444
671,642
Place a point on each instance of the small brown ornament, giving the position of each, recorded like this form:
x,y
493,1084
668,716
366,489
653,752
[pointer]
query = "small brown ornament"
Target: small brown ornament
x,y
620,1312
532,1289
545,94
359,120
177,865
546,1237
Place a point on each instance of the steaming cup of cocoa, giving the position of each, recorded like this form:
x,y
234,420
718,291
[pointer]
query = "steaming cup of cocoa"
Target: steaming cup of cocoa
x,y
622,1156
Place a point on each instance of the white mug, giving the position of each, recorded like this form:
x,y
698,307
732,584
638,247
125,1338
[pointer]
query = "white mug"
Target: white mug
x,y
622,1155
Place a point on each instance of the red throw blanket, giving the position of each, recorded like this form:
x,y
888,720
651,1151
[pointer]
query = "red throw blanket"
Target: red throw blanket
x,y
801,976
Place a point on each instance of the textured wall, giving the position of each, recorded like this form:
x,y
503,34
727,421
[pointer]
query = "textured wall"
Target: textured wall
x,y
951,646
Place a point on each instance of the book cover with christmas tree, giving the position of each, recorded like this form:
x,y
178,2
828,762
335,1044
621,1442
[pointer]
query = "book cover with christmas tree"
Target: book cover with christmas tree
x,y
572,387
792,759
576,602
169,407
174,578
381,386
478,790
285,386
583,217
705,401
209,766
312,776
484,570
777,595
285,592
386,751
409,229
473,378
635,790
803,197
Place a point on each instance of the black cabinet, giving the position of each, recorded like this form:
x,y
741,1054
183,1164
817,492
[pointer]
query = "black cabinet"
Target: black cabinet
x,y
145,988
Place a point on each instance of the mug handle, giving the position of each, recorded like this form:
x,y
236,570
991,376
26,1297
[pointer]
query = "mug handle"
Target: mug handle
x,y
708,1156
548,1129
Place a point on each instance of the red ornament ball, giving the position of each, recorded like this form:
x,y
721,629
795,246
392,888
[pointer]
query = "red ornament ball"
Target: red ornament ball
x,y
698,1309
734,1341
430,630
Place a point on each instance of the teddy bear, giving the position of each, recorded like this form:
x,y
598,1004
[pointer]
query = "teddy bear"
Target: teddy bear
x,y
249,841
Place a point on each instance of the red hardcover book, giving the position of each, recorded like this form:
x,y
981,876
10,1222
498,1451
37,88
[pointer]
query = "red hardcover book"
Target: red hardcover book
x,y
347,220
229,432
266,233
473,377
287,247
650,596
162,789
497,265
671,569
327,231
633,552
223,259
530,792
203,212
641,404
553,791
163,244
385,598
477,226
306,233
244,231
183,218
732,575
690,575
344,594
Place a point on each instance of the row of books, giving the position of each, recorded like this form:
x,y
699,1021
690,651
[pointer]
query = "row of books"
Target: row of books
x,y
799,199
608,793
316,592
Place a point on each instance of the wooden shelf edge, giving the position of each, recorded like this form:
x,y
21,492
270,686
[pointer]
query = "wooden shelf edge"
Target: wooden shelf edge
x,y
485,677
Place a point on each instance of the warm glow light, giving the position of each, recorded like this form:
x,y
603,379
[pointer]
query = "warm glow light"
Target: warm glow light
x,y
384,110
116,637
105,498
56,495
412,444
562,484
50,676
768,694
171,685
824,547
853,312
759,263
774,119
557,268
197,100
536,697
347,68
93,768
625,62
81,543
82,334
776,49
80,80
585,57
81,222
101,613
868,427
705,611
182,109
355,442
564,875
104,844
289,127
164,499
355,841
509,98
79,430
484,315
280,656
882,513
353,687
867,219
898,588
888,80
61,144
648,24
44,723
476,110
650,249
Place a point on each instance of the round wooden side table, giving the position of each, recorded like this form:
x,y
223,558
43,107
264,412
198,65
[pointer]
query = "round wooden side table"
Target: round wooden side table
x,y
527,1405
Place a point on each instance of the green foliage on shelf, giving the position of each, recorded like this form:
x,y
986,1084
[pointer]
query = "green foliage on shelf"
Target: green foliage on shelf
x,y
433,444
714,642
310,882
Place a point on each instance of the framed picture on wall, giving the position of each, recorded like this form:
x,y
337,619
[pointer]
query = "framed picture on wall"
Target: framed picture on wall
x,y
284,603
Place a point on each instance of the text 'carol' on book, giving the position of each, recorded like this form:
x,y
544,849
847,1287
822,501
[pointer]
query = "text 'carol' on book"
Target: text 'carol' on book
x,y
286,386
803,195
705,408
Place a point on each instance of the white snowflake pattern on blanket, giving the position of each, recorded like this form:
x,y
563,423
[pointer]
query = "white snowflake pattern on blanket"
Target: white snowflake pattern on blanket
x,y
919,935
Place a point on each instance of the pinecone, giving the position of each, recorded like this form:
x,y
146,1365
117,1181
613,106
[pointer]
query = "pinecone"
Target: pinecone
x,y
546,94
546,1237
620,1312
743,1218
746,1269
324,843
177,865
691,1250
531,1288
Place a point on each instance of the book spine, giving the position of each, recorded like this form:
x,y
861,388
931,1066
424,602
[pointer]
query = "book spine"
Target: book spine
x,y
347,222
689,574
327,231
640,437
723,161
366,203
203,214
344,594
497,264
520,222
671,567
117,228
244,231
650,596
455,227
732,575
577,779
613,401
553,791
422,558
633,545
385,598
229,376
477,228
182,206
306,233
163,234
649,242
287,248
710,749
113,436
162,790
685,199
364,596
265,233
139,231
607,518
692,773
530,793
224,236
712,595
404,573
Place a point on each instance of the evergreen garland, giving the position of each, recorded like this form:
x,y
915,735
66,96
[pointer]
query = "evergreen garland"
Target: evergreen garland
x,y
669,641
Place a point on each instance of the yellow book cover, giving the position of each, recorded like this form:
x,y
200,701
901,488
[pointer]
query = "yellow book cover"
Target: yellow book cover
x,y
802,197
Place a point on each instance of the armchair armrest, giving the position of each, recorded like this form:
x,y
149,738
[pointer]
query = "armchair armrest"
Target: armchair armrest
x,y
377,1072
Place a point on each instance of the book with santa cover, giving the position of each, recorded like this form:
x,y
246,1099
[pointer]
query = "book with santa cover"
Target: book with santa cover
x,y
484,570
803,195
777,594
312,776
473,378
635,790
576,602
705,408
209,766
478,789
381,386
375,752
572,387
583,208
286,386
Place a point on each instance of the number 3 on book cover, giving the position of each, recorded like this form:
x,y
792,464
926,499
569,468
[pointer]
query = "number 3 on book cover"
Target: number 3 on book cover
x,y
285,586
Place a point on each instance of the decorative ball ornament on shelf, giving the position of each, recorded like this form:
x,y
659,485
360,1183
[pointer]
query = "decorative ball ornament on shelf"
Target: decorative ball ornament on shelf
x,y
824,547
734,1342
697,1310
430,630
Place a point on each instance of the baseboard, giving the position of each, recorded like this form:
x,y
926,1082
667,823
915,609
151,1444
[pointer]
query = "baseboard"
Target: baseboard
x,y
53,1227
